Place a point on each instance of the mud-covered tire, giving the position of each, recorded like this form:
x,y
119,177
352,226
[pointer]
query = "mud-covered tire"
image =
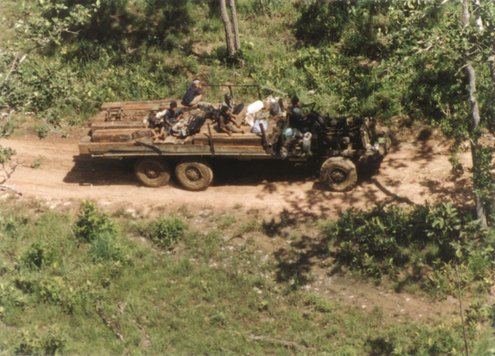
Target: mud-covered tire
x,y
194,175
338,173
152,172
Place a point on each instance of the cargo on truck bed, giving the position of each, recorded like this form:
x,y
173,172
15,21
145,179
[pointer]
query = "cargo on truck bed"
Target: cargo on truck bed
x,y
335,145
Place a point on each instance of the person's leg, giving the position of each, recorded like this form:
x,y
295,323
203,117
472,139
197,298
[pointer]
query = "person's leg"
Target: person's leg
x,y
232,128
196,100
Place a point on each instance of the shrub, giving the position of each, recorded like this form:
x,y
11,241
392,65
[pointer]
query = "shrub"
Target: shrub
x,y
42,131
51,290
165,232
50,344
441,340
56,291
91,223
37,256
104,248
420,244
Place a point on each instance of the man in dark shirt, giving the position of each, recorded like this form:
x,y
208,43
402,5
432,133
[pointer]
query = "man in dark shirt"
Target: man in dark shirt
x,y
193,94
172,114
297,119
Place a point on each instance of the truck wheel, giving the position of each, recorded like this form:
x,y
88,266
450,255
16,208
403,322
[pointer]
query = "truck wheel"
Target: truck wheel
x,y
338,173
194,175
152,172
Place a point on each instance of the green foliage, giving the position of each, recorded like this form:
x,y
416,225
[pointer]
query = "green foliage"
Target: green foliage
x,y
51,343
422,244
6,154
92,224
151,297
7,127
37,256
436,341
358,57
55,291
42,131
165,231
104,248
483,179
322,22
46,24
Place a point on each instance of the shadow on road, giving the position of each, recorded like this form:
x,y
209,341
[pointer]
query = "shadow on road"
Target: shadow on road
x,y
227,172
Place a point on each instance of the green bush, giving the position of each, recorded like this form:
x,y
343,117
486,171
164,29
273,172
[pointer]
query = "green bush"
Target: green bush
x,y
104,248
165,232
37,256
91,223
56,291
53,342
421,244
441,340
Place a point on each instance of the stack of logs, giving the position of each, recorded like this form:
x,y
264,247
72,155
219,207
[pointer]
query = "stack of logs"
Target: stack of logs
x,y
124,122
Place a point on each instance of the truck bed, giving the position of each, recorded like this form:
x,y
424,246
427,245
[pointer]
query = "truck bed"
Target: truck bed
x,y
126,136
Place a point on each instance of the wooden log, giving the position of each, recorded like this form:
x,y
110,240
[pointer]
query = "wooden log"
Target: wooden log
x,y
117,125
224,139
132,148
119,135
137,105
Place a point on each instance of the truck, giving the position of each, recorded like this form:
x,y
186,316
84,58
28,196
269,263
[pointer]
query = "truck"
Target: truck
x,y
336,146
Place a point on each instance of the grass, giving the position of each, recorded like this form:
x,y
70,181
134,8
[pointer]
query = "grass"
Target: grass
x,y
126,294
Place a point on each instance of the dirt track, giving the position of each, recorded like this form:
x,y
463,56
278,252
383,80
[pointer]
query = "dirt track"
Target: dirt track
x,y
416,171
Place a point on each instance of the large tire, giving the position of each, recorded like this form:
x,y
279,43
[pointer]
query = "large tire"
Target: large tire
x,y
338,173
194,175
152,172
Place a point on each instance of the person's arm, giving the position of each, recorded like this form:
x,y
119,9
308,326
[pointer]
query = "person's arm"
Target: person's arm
x,y
232,119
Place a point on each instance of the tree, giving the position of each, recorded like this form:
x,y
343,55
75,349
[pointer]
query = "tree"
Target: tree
x,y
231,28
228,29
475,114
235,25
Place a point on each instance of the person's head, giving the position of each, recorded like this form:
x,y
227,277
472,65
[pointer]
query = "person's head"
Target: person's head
x,y
294,100
173,105
196,83
227,98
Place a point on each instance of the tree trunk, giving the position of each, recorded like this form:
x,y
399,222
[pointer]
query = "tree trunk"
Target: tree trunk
x,y
477,14
235,25
475,116
228,29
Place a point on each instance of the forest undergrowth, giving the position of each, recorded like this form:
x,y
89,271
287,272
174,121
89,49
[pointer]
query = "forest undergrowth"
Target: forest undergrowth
x,y
88,282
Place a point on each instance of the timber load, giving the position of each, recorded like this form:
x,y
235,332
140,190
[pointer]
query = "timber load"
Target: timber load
x,y
125,122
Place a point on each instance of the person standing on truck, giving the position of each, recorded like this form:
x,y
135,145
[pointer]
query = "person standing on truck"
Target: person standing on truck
x,y
227,119
193,94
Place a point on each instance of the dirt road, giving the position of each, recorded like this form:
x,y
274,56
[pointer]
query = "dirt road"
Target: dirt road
x,y
416,171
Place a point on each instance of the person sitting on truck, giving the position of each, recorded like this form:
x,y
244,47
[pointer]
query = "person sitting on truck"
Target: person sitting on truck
x,y
157,125
296,115
193,94
227,119
166,119
172,115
